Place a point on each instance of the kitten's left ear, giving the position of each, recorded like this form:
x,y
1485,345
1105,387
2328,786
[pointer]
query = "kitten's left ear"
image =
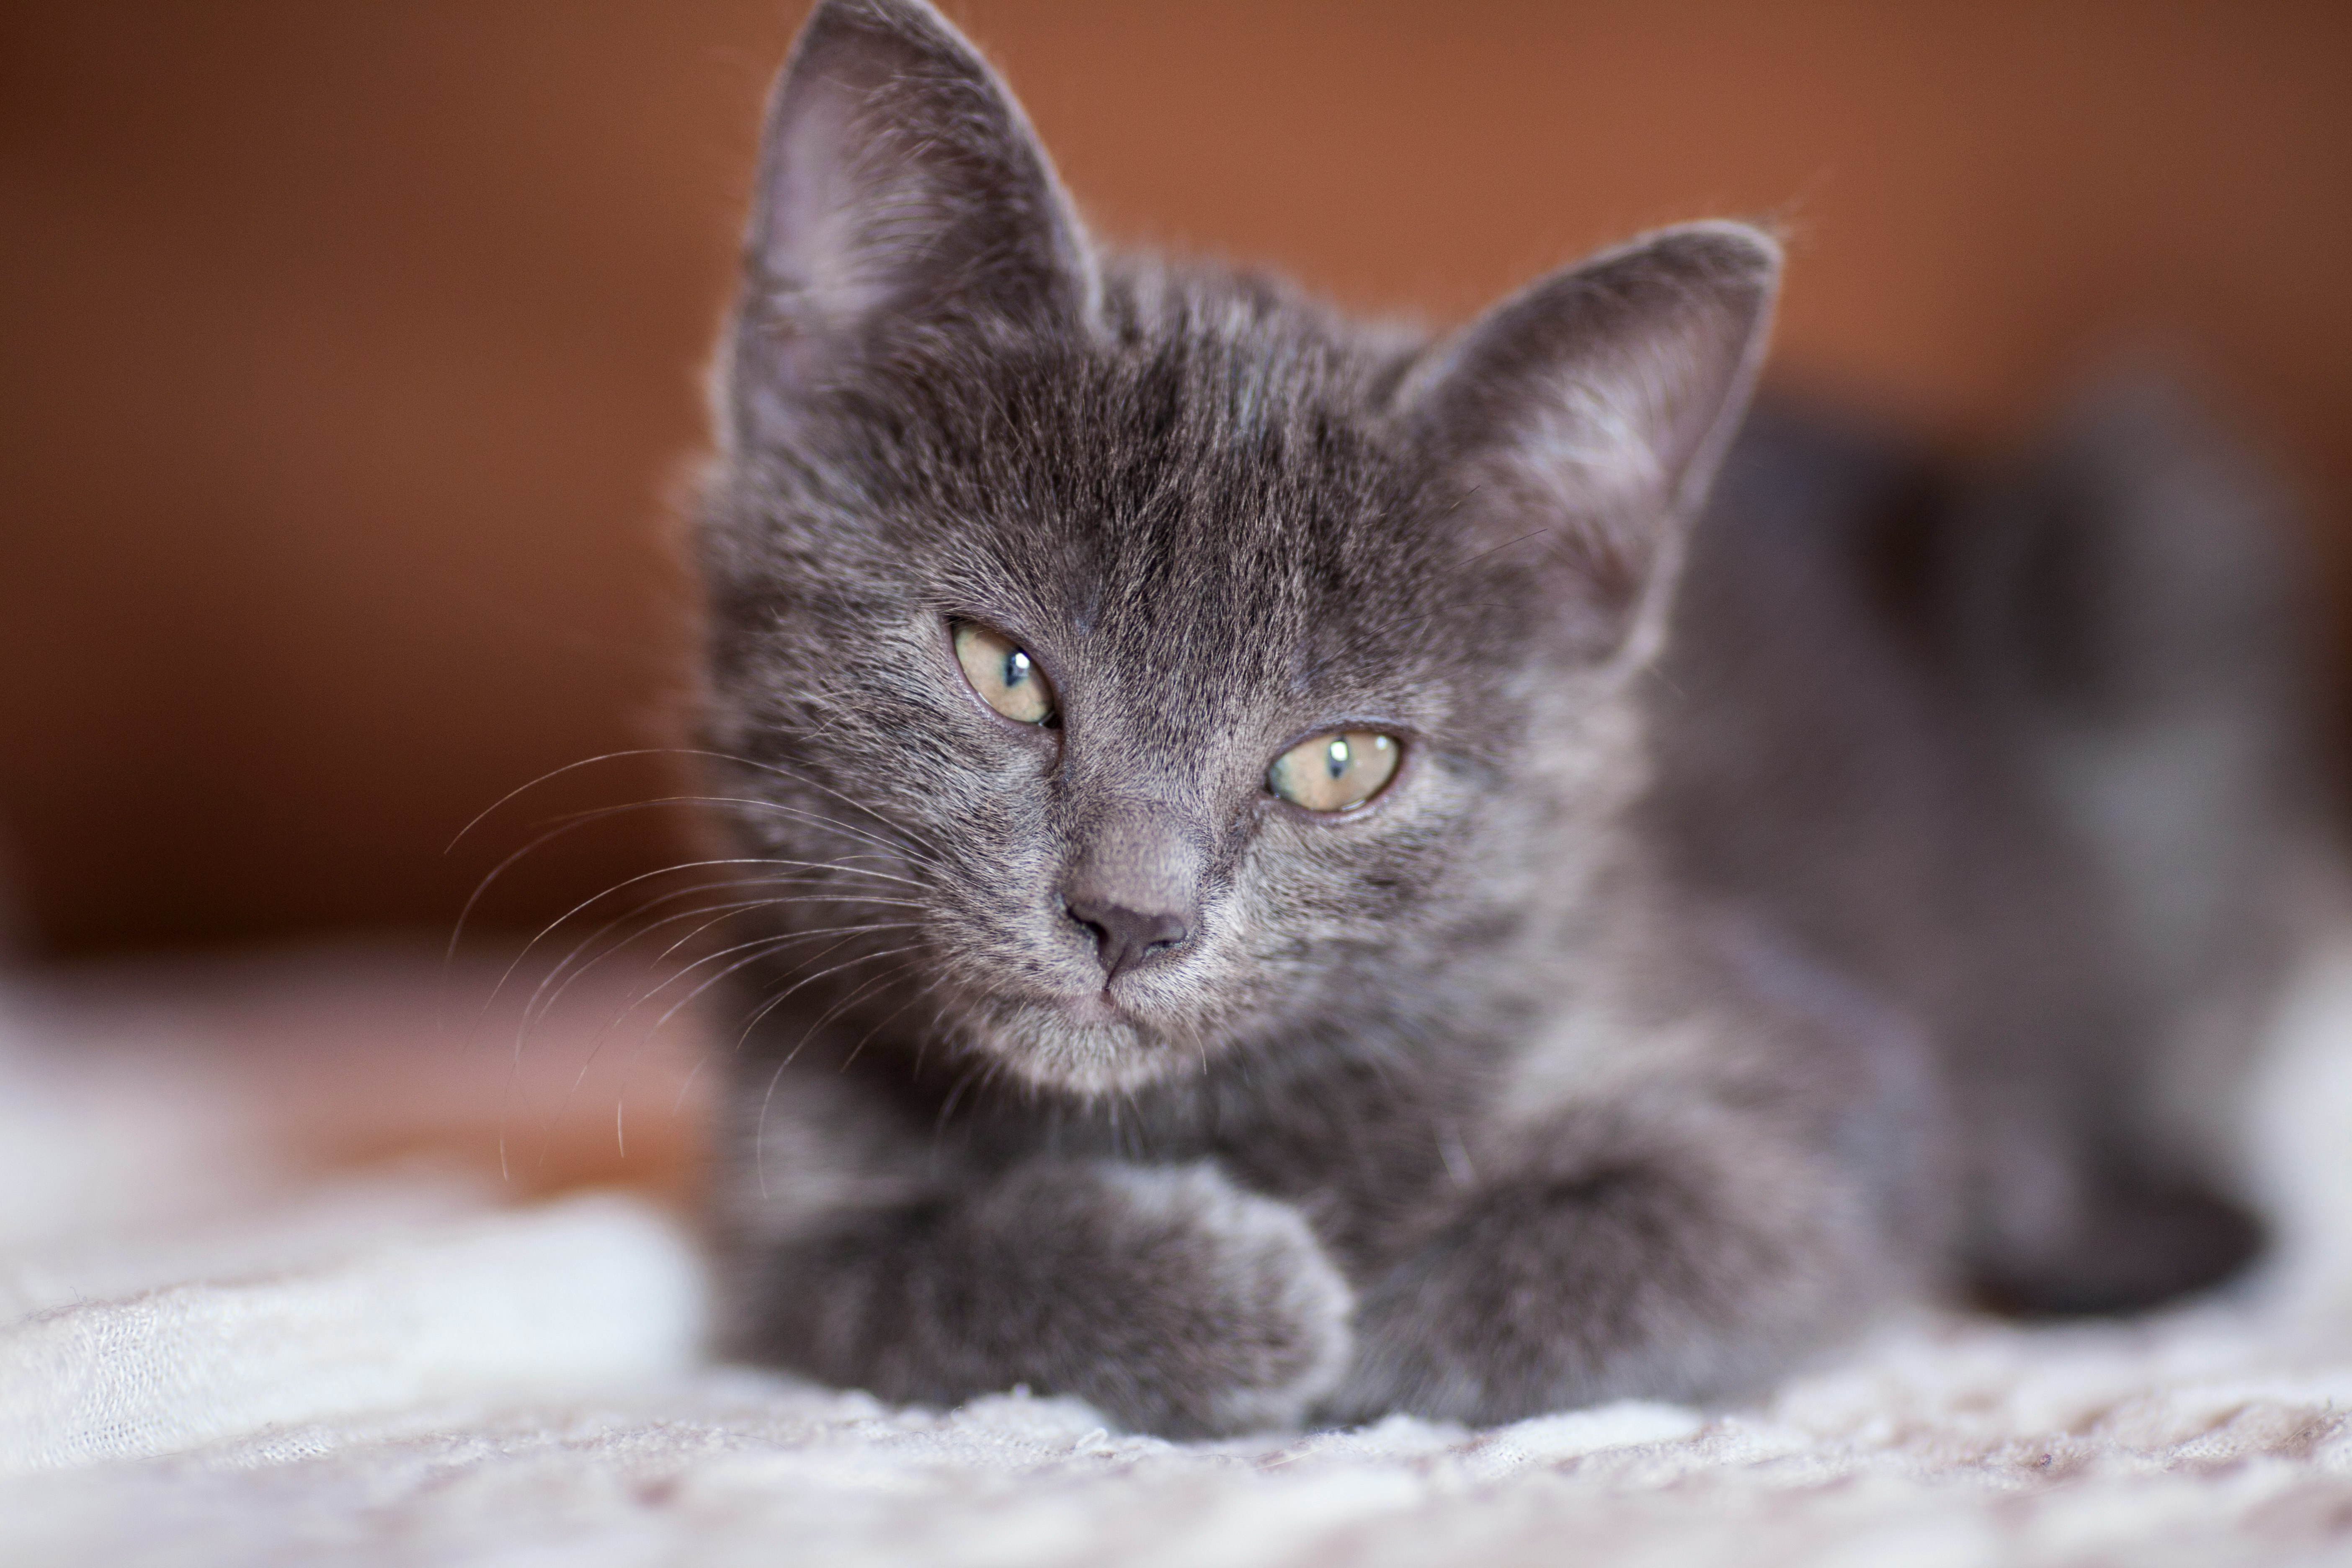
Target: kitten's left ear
x,y
901,195
1582,419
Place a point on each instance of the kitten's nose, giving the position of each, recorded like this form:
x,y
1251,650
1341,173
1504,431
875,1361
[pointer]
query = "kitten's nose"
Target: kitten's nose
x,y
1135,883
1124,936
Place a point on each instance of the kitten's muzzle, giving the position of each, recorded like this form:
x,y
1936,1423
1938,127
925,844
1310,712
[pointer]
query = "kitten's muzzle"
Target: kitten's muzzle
x,y
1134,885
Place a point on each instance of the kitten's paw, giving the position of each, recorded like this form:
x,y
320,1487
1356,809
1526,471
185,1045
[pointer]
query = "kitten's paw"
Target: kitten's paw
x,y
1214,1310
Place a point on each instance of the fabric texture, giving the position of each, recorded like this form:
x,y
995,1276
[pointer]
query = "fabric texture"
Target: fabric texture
x,y
206,1358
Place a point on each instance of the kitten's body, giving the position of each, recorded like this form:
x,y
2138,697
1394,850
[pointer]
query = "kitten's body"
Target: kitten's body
x,y
2023,753
1668,1014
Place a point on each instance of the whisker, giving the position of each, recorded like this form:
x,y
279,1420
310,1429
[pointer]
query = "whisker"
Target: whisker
x,y
678,1106
780,808
583,819
830,1014
684,751
842,934
766,946
782,773
552,926
888,1019
619,920
720,911
947,1106
774,1002
759,1128
834,880
529,1018
757,950
711,887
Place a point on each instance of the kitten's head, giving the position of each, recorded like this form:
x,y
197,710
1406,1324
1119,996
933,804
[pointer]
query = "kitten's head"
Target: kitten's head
x,y
1131,664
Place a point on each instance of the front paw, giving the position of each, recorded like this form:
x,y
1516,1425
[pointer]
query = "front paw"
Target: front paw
x,y
1669,1278
1190,1307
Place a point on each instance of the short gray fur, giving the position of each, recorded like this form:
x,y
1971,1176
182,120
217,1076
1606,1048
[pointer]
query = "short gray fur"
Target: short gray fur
x,y
1790,902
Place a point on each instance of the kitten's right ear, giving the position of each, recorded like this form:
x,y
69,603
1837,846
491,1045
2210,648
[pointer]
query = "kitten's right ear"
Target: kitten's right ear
x,y
900,191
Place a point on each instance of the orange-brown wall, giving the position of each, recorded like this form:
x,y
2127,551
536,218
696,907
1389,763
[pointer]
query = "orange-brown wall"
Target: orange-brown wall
x,y
349,352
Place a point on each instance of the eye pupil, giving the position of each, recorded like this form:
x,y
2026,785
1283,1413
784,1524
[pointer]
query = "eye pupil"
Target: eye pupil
x,y
1335,760
1016,667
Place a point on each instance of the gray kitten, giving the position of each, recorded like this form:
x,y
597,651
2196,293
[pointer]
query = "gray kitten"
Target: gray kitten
x,y
1301,872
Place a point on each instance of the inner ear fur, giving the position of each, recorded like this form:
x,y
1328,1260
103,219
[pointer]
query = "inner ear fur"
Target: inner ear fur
x,y
1580,422
902,195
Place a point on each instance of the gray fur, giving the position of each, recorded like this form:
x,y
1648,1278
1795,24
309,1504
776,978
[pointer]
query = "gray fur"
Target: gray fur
x,y
1723,963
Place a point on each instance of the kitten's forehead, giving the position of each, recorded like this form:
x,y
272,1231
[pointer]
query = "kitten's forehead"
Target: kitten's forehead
x,y
1212,494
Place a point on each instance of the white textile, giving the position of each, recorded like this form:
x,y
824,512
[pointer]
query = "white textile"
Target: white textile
x,y
212,1368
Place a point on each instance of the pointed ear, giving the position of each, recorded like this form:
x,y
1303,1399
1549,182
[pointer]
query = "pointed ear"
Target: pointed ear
x,y
900,193
1582,420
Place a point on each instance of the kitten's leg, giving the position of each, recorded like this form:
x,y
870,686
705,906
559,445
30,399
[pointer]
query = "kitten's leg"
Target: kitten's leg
x,y
1601,1258
1166,1297
2118,1242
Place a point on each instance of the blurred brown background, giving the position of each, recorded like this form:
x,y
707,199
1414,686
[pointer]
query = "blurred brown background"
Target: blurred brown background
x,y
350,353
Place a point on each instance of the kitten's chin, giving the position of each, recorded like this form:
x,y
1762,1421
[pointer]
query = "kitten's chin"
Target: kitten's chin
x,y
1085,1046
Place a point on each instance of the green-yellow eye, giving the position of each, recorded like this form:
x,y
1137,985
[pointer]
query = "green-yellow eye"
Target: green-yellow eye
x,y
1006,678
1334,772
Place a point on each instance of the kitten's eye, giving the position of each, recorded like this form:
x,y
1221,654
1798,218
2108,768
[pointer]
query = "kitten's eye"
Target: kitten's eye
x,y
1006,678
1332,773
